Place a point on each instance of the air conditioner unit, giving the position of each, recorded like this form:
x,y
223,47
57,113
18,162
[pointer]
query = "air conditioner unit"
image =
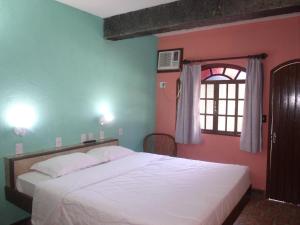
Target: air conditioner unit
x,y
169,60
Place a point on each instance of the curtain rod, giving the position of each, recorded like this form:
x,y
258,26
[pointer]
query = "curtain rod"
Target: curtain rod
x,y
259,56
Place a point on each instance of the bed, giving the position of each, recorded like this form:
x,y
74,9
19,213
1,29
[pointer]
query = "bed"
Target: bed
x,y
142,188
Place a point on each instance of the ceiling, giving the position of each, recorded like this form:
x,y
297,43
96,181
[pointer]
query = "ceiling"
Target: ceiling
x,y
108,8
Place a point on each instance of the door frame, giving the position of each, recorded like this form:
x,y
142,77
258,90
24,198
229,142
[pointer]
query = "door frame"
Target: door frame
x,y
272,74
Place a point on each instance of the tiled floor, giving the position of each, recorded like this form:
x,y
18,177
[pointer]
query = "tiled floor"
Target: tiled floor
x,y
262,212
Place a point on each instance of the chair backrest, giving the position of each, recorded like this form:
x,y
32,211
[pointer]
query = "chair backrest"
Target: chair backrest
x,y
159,143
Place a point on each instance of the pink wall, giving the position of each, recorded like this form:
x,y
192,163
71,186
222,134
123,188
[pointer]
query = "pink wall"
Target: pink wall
x,y
279,38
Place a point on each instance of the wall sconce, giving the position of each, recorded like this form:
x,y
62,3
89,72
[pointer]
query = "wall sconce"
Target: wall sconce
x,y
105,118
21,117
20,131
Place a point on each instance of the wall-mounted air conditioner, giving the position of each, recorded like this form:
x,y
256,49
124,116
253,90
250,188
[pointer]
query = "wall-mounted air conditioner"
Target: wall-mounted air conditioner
x,y
169,60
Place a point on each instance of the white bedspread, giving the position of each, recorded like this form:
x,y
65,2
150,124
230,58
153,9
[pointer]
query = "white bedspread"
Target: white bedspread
x,y
142,189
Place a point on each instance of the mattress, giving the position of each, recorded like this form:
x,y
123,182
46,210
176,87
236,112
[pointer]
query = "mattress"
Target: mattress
x,y
27,182
142,189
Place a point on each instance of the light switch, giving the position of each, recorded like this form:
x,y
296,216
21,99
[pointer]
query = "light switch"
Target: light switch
x,y
162,84
19,148
120,131
83,138
58,142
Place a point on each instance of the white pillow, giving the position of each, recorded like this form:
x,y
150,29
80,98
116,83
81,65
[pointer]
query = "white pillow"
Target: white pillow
x,y
110,153
62,165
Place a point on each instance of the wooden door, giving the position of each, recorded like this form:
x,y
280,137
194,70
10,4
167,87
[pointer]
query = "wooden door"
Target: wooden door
x,y
284,146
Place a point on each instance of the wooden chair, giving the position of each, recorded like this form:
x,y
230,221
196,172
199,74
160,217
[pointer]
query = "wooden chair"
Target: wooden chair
x,y
159,143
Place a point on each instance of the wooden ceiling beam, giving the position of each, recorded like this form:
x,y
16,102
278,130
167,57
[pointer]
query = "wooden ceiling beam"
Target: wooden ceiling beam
x,y
188,14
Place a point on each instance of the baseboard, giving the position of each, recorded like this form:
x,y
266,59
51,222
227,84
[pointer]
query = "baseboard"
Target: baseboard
x,y
258,193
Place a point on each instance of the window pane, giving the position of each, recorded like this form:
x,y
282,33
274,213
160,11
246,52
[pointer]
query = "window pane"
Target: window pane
x,y
210,107
230,124
209,122
231,90
205,73
218,77
242,76
240,124
231,72
242,91
210,91
202,118
231,108
222,107
241,108
221,123
202,106
217,71
222,90
202,91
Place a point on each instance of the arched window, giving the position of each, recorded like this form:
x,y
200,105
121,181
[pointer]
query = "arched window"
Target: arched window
x,y
222,99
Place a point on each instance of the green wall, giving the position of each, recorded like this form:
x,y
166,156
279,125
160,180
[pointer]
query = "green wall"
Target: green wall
x,y
54,57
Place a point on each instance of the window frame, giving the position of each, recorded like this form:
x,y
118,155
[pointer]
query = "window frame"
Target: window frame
x,y
216,99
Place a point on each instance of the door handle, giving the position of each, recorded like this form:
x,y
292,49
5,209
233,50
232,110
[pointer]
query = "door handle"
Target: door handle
x,y
274,138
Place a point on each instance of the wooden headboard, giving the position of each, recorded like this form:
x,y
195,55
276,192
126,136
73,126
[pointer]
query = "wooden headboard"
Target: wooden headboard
x,y
16,165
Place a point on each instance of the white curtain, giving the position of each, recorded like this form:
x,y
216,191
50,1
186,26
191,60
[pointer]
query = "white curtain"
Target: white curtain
x,y
188,129
251,137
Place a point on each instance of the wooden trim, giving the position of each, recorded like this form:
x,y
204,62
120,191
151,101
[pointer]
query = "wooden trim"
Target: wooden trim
x,y
269,134
297,60
238,208
59,150
226,133
19,199
224,65
180,60
223,82
272,73
12,161
24,201
259,192
222,75
8,172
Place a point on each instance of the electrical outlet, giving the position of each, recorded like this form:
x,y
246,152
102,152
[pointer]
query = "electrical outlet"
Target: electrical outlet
x,y
162,84
90,136
101,136
120,131
58,142
19,148
83,138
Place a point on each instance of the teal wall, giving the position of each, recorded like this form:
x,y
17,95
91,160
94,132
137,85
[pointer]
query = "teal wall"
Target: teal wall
x,y
54,58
